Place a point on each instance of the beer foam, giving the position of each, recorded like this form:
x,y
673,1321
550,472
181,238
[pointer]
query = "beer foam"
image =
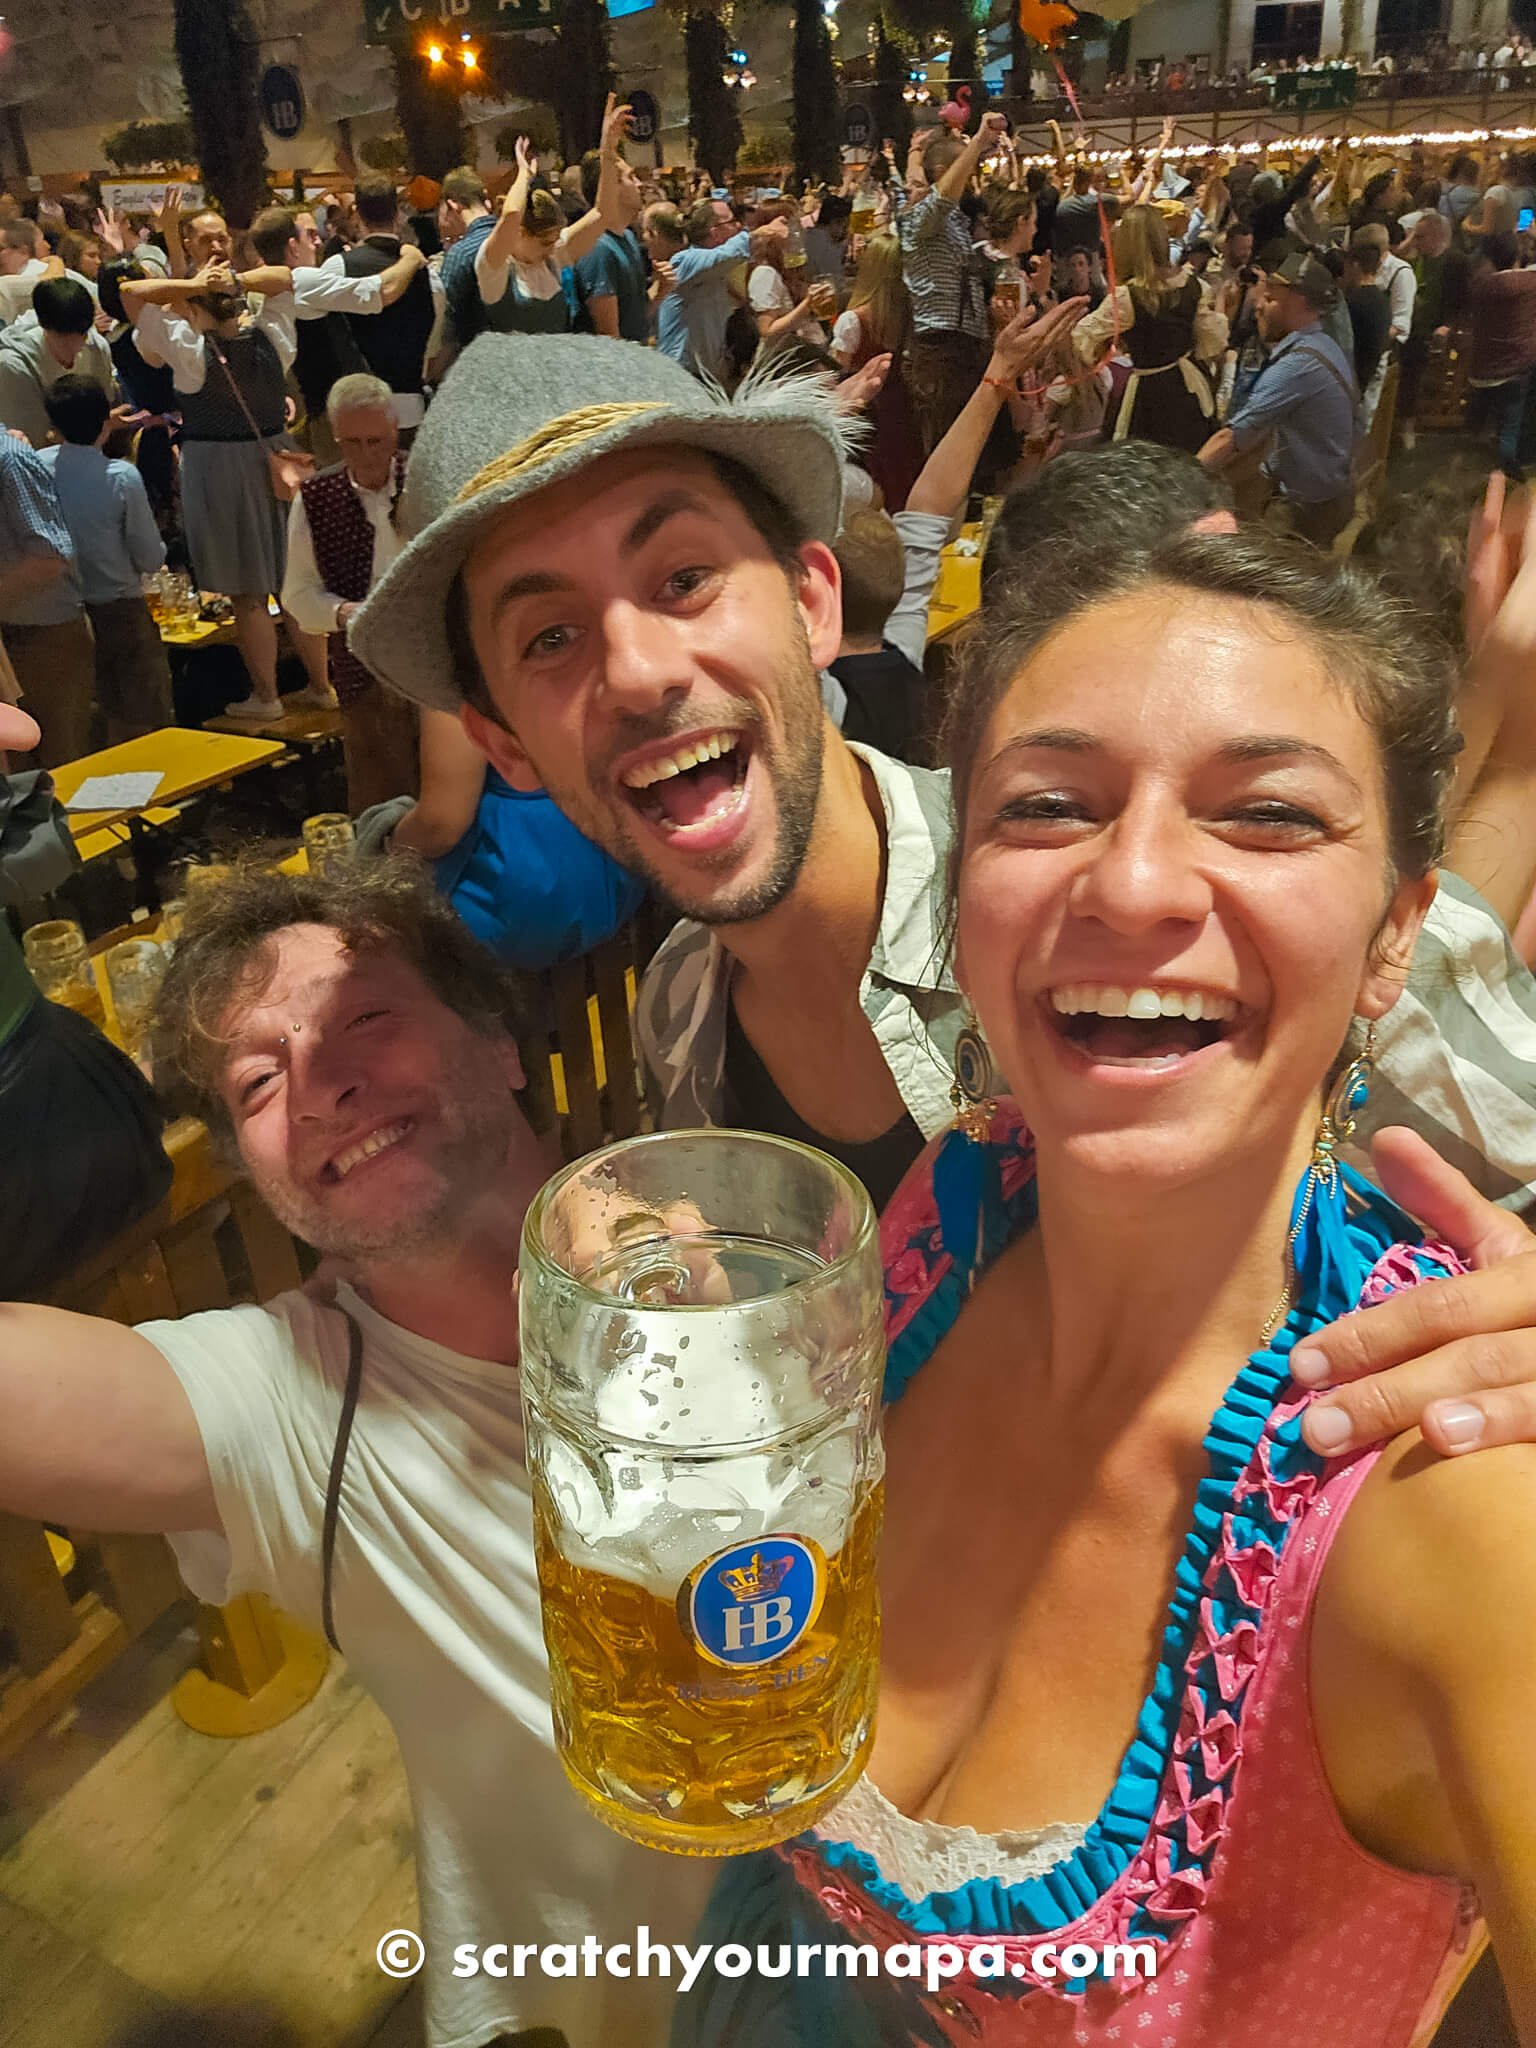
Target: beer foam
x,y
642,1511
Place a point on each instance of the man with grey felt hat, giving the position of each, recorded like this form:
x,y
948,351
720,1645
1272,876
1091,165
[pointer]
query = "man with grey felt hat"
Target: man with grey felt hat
x,y
1303,405
623,583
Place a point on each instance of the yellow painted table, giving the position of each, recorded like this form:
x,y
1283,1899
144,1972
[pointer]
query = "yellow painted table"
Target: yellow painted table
x,y
109,839
199,633
957,592
186,762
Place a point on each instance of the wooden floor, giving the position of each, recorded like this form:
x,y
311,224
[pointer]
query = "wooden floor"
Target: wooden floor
x,y
162,1889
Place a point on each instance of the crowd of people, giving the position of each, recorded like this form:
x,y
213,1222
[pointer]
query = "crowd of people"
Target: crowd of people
x,y
1430,62
1205,1598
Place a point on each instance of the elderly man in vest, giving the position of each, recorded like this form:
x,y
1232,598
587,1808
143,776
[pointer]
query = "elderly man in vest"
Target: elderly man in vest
x,y
341,539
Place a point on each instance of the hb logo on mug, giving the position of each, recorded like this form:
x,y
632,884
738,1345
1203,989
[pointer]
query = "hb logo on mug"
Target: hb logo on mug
x,y
749,1604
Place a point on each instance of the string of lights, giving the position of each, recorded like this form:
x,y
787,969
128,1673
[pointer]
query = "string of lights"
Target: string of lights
x,y
1301,145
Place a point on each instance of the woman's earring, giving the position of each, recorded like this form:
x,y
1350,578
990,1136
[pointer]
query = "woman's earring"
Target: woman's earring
x,y
970,1090
1346,1099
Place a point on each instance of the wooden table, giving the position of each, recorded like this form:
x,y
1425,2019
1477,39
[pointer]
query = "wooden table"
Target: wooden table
x,y
185,761
93,843
200,633
957,592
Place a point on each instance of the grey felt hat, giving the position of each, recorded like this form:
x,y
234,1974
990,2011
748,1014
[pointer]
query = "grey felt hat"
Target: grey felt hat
x,y
520,412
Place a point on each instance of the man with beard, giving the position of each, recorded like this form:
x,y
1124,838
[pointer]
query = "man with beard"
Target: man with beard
x,y
623,583
354,1044
1304,400
638,600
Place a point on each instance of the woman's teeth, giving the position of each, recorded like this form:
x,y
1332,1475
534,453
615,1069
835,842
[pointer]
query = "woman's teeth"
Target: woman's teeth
x,y
1144,1003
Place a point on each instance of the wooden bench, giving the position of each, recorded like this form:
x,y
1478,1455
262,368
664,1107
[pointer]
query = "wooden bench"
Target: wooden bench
x,y
1372,468
309,734
582,1064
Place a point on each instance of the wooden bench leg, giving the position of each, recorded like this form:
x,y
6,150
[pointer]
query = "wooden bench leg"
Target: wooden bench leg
x,y
260,1667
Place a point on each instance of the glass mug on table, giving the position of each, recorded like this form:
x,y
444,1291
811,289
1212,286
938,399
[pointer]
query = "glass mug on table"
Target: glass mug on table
x,y
134,968
702,1354
60,964
328,839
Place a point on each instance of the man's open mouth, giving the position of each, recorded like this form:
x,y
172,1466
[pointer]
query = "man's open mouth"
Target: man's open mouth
x,y
381,1139
697,784
1151,1028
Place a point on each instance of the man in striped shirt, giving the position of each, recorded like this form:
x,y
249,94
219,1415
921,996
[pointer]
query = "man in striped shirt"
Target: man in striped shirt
x,y
950,319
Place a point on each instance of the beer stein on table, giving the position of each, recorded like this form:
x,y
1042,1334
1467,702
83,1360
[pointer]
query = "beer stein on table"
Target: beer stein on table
x,y
134,970
60,964
328,840
701,1368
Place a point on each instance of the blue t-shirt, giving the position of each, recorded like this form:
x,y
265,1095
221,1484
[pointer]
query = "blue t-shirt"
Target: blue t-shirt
x,y
529,885
461,288
616,269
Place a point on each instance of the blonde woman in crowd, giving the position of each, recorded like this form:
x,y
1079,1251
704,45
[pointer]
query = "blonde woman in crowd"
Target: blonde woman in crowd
x,y
1158,314
878,322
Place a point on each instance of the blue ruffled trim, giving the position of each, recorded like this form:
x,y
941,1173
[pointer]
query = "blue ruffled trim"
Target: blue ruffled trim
x,y
1340,1230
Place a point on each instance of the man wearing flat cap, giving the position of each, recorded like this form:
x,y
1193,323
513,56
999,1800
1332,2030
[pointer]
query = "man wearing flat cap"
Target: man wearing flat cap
x,y
1304,397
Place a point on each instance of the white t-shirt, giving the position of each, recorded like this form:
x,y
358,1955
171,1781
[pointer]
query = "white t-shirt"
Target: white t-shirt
x,y
16,290
847,334
436,1605
768,293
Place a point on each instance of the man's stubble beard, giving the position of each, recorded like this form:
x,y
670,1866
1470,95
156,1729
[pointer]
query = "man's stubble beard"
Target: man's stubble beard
x,y
473,1133
794,780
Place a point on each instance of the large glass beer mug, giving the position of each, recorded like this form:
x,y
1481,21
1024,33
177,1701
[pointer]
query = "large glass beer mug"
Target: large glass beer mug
x,y
701,1362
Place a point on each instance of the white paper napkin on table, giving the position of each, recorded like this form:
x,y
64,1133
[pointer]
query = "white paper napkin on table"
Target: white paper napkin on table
x,y
115,792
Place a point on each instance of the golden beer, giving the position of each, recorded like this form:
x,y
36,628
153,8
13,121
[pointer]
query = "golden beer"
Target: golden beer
x,y
701,1362
83,997
680,1752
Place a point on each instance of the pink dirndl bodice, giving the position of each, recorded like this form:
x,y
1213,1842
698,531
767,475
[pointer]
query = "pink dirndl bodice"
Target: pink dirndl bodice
x,y
1274,1928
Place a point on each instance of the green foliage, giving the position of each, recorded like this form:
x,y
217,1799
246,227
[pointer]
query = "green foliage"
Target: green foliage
x,y
893,115
965,69
219,53
584,76
922,19
571,75
813,116
770,149
714,124
142,143
386,153
538,124
431,118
